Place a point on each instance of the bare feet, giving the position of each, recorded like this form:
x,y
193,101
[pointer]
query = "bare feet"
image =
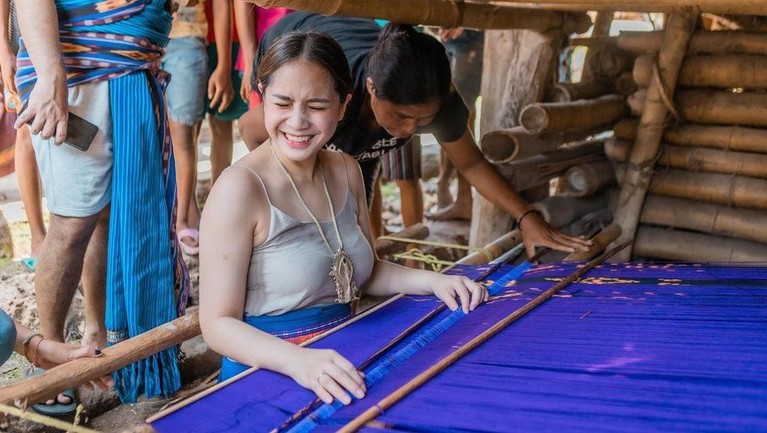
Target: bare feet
x,y
444,198
453,212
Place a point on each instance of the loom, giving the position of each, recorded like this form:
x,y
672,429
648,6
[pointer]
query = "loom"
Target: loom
x,y
627,347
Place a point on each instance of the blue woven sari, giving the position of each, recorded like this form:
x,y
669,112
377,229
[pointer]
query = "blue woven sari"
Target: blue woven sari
x,y
147,282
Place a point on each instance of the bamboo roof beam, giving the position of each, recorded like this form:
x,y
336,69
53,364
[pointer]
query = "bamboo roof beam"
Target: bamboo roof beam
x,y
735,7
443,13
637,177
702,42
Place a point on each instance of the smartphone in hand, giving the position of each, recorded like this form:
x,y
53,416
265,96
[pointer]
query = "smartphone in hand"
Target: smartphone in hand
x,y
80,132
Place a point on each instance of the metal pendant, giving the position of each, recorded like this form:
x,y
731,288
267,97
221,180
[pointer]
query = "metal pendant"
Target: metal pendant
x,y
342,272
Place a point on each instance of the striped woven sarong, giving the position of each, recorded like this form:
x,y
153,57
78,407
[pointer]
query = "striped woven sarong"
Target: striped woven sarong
x,y
147,281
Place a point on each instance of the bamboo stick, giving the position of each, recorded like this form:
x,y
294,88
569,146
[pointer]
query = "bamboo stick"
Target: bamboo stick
x,y
445,362
722,71
442,13
585,179
599,243
568,92
507,145
494,249
657,243
635,179
748,224
736,7
737,138
560,211
715,161
723,137
389,246
601,27
702,42
617,149
724,189
583,114
37,388
636,102
723,108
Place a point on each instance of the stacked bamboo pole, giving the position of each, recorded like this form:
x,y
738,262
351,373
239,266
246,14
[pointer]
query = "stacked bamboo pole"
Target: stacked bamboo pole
x,y
711,169
583,114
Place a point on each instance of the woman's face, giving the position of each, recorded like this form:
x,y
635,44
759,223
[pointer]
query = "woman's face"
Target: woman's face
x,y
401,120
301,109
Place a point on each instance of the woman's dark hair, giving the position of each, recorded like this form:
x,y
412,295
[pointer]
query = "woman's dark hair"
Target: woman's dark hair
x,y
317,48
408,67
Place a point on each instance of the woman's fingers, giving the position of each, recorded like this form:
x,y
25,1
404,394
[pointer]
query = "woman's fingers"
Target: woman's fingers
x,y
477,294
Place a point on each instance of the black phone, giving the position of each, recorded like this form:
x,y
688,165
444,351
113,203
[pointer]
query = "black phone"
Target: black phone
x,y
80,132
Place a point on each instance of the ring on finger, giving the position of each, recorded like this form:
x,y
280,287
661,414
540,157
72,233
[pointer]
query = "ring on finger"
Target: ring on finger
x,y
319,376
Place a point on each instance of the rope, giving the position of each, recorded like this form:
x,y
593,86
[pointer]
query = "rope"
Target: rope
x,y
44,420
418,255
664,92
429,243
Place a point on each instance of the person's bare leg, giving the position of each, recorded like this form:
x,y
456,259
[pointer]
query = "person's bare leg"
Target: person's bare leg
x,y
446,171
58,270
461,208
95,283
221,146
411,198
376,210
29,188
185,153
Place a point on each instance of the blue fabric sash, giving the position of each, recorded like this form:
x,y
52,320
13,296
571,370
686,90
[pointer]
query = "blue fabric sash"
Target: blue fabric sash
x,y
147,281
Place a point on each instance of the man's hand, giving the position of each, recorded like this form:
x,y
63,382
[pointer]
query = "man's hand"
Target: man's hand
x,y
536,232
47,108
245,87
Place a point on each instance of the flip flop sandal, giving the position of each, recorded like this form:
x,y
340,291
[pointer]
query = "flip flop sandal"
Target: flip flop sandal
x,y
30,263
194,234
56,409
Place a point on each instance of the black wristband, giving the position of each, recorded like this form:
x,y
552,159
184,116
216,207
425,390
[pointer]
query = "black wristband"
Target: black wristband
x,y
522,217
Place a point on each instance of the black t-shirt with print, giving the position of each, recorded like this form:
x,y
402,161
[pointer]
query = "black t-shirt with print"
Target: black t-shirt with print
x,y
357,37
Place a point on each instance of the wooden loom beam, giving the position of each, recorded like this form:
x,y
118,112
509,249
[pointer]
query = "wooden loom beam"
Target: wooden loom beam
x,y
443,13
637,176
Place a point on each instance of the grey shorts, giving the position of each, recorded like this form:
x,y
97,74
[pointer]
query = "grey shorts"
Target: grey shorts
x,y
77,183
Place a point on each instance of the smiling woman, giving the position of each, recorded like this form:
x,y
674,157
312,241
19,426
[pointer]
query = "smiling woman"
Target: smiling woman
x,y
285,240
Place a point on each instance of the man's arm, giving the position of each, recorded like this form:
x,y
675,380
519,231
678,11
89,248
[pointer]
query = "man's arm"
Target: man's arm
x,y
246,31
220,92
7,56
47,107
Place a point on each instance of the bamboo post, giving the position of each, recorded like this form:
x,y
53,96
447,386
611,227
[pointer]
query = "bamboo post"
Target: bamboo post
x,y
600,28
722,71
442,13
701,42
607,61
636,102
658,243
624,85
618,149
585,179
560,211
83,370
735,7
599,243
748,224
583,114
626,128
724,189
637,176
715,161
568,92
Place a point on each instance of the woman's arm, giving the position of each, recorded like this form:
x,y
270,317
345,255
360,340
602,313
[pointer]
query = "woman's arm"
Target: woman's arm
x,y
389,278
227,230
470,162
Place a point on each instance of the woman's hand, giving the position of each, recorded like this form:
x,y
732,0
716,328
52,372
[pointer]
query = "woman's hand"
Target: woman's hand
x,y
328,374
536,232
469,293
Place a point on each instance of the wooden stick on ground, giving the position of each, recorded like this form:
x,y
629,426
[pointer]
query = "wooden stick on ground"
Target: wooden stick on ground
x,y
422,378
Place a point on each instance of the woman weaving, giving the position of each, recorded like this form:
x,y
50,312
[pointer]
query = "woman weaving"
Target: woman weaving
x,y
285,236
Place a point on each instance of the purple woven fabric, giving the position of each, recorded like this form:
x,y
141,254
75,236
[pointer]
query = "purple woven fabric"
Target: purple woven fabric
x,y
629,348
